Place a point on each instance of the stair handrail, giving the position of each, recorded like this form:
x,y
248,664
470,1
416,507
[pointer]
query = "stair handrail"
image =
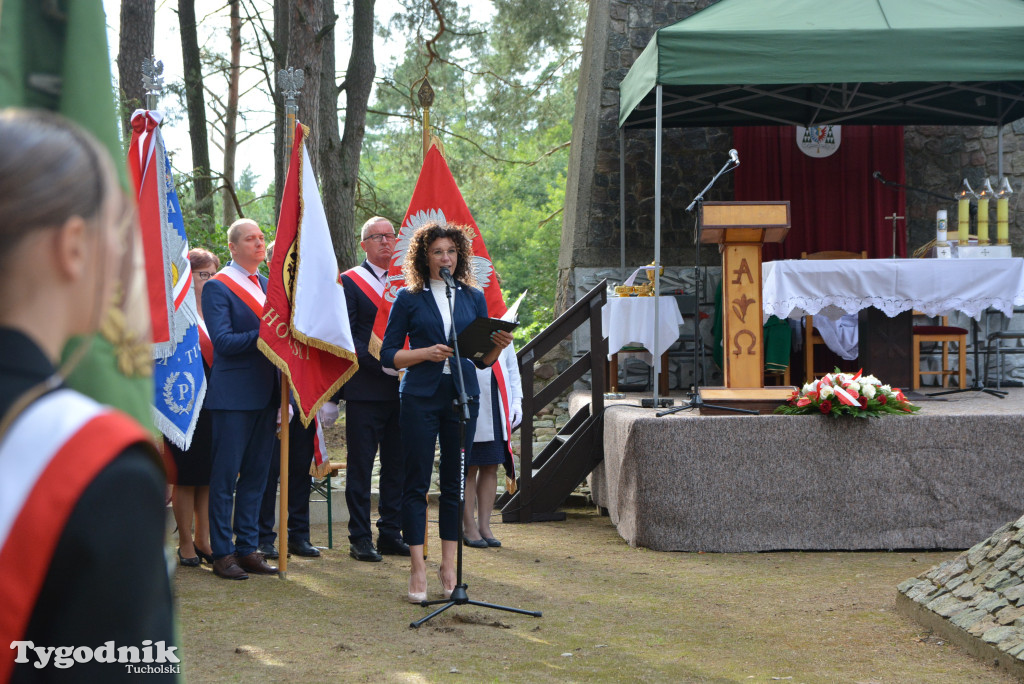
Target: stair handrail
x,y
586,310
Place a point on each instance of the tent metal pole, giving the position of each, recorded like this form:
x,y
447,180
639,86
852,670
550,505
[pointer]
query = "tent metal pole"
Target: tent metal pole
x,y
622,202
999,148
657,236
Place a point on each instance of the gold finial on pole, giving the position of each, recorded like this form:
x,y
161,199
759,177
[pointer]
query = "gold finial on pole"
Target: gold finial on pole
x,y
426,98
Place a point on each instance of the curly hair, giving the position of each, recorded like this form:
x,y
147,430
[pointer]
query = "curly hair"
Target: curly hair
x,y
416,269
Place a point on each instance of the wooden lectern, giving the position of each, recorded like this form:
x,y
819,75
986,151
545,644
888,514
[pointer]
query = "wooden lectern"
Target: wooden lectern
x,y
740,228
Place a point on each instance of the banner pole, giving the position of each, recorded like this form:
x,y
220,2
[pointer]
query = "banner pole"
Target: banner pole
x,y
290,81
426,98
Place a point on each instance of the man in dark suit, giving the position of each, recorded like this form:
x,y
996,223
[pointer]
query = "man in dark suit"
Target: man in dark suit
x,y
372,407
243,397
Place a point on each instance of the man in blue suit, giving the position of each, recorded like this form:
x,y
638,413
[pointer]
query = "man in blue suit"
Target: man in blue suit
x,y
372,408
243,397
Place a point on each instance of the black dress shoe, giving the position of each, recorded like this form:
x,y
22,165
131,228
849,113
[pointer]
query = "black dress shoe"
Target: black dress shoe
x,y
205,556
475,543
268,551
362,550
492,542
303,548
192,562
390,546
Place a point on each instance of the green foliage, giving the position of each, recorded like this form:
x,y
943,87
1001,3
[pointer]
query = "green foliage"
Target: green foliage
x,y
505,96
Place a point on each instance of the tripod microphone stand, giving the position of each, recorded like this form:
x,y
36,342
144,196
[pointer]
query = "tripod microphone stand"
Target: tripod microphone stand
x,y
459,595
695,401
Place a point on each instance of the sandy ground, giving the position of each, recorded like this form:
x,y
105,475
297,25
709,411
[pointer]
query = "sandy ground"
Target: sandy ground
x,y
611,613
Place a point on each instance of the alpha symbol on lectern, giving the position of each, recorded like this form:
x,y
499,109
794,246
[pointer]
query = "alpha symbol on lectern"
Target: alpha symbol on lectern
x,y
743,270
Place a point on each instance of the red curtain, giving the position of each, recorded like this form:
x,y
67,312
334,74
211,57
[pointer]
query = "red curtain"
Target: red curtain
x,y
835,203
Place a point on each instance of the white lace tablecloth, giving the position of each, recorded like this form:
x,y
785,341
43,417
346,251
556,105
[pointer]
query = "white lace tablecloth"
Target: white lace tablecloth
x,y
831,288
626,320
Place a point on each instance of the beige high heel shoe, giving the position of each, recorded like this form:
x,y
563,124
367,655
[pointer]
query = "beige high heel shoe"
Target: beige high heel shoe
x,y
446,592
416,597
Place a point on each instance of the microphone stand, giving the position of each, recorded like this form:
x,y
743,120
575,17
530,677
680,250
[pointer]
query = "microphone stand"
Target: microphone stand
x,y
877,175
459,595
695,401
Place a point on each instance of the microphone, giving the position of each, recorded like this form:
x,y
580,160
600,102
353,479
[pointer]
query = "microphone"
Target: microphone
x,y
877,175
734,156
446,276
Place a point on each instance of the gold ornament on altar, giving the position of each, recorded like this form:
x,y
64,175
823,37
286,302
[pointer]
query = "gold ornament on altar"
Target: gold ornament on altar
x,y
648,289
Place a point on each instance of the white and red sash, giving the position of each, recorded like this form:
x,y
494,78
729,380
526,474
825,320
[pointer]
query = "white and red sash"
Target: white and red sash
x,y
251,294
371,286
205,343
52,452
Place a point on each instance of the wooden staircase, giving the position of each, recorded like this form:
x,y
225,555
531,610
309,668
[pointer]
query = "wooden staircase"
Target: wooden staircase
x,y
545,481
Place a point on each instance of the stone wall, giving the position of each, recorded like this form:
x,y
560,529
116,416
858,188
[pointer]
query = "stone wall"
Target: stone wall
x,y
617,32
938,158
976,599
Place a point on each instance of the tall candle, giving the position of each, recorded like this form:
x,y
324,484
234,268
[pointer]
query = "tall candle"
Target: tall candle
x,y
1003,221
982,221
963,220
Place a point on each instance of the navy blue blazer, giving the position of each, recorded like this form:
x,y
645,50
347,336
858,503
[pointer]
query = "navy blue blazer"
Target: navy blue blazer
x,y
370,382
416,314
242,377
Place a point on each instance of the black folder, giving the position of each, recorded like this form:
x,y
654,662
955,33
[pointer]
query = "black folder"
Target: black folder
x,y
475,339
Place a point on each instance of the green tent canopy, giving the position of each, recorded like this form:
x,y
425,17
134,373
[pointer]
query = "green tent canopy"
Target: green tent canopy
x,y
814,62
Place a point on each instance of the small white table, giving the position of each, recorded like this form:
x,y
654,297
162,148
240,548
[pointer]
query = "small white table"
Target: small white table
x,y
630,321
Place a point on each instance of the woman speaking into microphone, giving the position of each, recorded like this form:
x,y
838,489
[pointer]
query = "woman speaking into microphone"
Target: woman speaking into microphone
x,y
429,387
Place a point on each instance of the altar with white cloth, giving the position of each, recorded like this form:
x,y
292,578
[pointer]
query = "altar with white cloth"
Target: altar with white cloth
x,y
895,288
831,288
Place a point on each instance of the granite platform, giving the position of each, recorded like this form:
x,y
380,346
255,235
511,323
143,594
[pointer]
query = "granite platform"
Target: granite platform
x,y
941,479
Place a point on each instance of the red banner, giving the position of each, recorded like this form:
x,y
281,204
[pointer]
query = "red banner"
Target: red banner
x,y
436,198
304,328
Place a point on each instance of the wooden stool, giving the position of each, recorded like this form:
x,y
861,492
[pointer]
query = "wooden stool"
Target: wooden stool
x,y
943,334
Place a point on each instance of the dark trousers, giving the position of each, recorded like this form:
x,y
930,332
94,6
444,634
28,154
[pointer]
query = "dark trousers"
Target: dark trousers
x,y
300,455
243,442
425,420
369,426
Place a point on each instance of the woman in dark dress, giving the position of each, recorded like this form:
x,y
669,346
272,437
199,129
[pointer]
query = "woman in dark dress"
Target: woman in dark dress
x,y
428,388
191,497
82,509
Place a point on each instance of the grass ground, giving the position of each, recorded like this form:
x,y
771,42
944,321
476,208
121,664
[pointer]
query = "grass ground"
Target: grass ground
x,y
611,614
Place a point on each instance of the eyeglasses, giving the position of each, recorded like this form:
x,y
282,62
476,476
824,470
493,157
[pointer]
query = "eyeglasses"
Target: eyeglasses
x,y
380,237
203,275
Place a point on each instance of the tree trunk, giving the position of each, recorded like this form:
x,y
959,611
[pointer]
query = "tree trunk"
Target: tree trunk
x,y
341,168
196,104
305,51
134,47
231,113
280,46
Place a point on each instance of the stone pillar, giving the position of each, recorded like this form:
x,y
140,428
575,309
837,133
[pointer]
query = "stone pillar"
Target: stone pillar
x,y
617,32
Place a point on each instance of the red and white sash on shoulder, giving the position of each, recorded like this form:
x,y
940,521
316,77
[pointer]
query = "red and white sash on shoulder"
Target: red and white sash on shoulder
x,y
249,292
371,286
47,460
205,343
